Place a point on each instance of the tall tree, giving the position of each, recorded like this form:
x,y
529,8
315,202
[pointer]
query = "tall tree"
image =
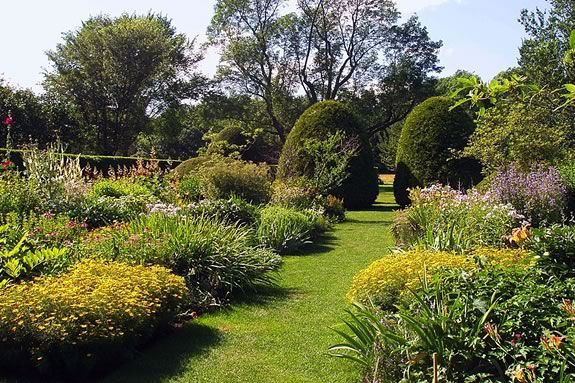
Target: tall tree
x,y
117,72
542,54
339,41
325,49
255,51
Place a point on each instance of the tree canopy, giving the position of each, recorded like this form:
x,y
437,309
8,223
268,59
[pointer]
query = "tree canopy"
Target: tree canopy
x,y
116,72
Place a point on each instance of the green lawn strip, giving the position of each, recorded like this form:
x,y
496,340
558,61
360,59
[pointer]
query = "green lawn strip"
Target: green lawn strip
x,y
281,335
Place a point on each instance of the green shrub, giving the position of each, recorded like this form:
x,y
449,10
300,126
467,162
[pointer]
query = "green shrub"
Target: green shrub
x,y
522,134
234,210
294,193
117,188
18,196
88,319
104,210
427,150
45,230
567,171
555,245
222,178
215,258
189,188
286,230
304,154
189,166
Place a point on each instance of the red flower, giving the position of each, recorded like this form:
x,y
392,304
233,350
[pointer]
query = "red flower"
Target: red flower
x,y
8,120
6,164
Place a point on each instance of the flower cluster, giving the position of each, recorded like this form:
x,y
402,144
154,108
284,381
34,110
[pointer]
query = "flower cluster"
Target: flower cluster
x,y
443,218
538,194
385,280
95,303
163,208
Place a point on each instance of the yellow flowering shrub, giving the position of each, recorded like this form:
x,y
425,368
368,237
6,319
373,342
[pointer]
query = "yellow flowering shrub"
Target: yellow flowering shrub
x,y
506,257
92,315
385,280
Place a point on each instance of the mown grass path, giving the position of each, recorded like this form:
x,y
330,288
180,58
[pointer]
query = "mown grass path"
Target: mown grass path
x,y
282,335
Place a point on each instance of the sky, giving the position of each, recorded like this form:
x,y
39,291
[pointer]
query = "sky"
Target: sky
x,y
481,36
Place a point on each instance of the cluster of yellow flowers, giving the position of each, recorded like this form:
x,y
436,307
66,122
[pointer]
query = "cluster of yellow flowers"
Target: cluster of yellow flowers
x,y
505,257
386,279
95,301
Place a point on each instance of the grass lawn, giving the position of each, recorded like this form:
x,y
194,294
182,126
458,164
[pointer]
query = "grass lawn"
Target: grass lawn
x,y
283,334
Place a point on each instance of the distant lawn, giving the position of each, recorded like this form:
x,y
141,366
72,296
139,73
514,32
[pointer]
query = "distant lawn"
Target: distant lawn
x,y
281,336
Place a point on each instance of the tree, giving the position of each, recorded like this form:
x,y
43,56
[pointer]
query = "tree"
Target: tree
x,y
117,72
325,49
542,54
255,56
36,119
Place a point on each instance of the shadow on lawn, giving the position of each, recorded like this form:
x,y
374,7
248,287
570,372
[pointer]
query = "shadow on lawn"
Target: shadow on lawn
x,y
167,357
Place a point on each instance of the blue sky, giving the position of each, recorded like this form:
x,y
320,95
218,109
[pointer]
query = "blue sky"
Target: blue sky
x,y
481,36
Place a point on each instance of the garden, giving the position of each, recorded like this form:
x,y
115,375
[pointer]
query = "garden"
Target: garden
x,y
419,231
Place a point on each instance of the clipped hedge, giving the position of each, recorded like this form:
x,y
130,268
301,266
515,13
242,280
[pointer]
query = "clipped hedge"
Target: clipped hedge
x,y
88,319
427,149
360,188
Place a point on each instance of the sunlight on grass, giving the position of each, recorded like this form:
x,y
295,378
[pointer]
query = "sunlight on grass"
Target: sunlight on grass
x,y
283,334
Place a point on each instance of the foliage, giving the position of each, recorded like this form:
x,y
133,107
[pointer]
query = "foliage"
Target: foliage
x,y
87,319
334,208
367,343
214,258
19,260
44,230
101,211
189,188
189,166
295,193
567,172
442,218
428,148
521,133
115,71
556,247
117,188
18,196
502,257
320,122
542,53
36,117
538,194
386,280
222,178
58,179
285,230
233,211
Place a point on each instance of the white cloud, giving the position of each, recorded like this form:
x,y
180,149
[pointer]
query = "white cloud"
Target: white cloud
x,y
411,6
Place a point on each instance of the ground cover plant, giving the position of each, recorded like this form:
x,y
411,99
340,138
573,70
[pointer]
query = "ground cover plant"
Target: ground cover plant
x,y
87,319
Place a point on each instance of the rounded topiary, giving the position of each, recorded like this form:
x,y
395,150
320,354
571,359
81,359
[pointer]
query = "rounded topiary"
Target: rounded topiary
x,y
427,149
360,188
189,166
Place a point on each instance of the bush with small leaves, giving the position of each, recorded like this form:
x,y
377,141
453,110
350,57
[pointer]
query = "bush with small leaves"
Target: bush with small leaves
x,y
88,319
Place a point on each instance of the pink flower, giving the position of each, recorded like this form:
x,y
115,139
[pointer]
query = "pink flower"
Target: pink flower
x,y
8,120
